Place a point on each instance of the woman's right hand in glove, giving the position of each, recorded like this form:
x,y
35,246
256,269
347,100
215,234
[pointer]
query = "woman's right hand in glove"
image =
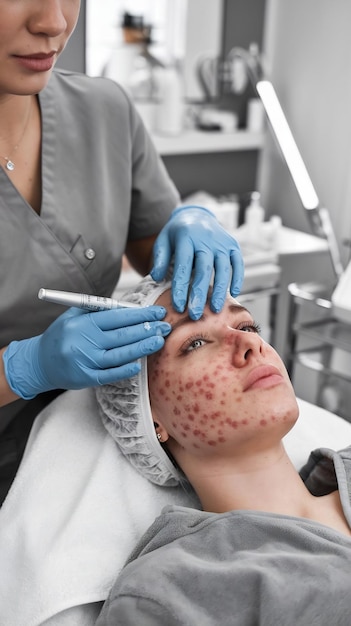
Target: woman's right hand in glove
x,y
81,349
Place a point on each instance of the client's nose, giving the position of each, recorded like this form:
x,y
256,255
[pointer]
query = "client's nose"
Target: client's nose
x,y
245,345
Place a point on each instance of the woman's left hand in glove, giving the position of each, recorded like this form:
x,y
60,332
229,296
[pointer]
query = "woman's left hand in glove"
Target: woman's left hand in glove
x,y
200,247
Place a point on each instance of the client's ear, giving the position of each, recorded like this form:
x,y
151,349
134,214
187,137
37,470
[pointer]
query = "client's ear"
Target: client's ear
x,y
161,432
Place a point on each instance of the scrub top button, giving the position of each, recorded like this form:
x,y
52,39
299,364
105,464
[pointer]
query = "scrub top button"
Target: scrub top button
x,y
90,254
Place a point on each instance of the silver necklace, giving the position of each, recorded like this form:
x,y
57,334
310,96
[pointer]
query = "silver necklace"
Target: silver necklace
x,y
10,166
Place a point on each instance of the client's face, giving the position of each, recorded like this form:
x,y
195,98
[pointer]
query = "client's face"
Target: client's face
x,y
216,381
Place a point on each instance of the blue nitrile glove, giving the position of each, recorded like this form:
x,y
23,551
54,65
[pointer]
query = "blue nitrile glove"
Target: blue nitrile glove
x,y
198,241
81,349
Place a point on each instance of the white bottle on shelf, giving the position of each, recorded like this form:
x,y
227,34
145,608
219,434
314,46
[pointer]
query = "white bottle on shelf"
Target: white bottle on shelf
x,y
170,107
254,218
274,228
255,116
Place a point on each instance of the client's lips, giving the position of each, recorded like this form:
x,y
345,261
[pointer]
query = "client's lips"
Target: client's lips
x,y
263,376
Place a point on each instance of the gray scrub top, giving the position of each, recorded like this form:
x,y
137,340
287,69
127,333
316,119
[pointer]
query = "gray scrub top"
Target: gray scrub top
x,y
103,184
242,567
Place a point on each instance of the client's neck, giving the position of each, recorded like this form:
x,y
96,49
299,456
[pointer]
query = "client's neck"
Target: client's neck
x,y
266,482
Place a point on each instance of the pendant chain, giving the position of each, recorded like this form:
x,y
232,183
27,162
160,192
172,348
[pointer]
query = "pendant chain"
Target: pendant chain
x,y
10,166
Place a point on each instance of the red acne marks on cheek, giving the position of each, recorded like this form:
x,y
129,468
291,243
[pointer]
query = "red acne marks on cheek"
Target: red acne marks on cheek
x,y
167,383
211,442
155,374
230,339
199,434
209,395
206,382
221,438
191,417
215,416
164,394
185,428
232,423
176,411
244,422
189,385
210,385
175,425
263,422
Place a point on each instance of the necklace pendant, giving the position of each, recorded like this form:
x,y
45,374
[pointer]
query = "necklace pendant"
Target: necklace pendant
x,y
10,165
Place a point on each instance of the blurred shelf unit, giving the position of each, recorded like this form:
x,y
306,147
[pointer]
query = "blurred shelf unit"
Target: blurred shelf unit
x,y
320,342
195,142
310,317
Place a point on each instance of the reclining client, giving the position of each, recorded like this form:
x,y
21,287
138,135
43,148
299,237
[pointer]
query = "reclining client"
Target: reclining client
x,y
270,545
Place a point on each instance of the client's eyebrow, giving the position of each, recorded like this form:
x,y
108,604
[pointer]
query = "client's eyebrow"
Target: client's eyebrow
x,y
186,320
233,308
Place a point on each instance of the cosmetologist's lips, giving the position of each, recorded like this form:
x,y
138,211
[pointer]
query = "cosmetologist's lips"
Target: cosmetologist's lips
x,y
37,61
263,376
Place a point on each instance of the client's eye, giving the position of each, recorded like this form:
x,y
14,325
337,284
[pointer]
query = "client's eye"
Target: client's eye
x,y
197,343
249,327
193,343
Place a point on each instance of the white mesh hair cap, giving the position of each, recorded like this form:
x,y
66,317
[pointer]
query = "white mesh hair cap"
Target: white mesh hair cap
x,y
126,413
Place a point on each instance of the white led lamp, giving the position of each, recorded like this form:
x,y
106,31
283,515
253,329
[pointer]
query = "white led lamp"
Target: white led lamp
x,y
249,60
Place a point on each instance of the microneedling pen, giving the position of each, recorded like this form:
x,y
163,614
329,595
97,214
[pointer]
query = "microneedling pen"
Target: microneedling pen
x,y
83,300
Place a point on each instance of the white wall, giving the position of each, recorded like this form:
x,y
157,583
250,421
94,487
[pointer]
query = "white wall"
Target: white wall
x,y
308,50
202,38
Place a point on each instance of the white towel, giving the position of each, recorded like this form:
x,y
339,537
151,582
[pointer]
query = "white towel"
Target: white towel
x,y
75,511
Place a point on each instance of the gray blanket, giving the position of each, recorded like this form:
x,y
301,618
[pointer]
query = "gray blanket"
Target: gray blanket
x,y
243,567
